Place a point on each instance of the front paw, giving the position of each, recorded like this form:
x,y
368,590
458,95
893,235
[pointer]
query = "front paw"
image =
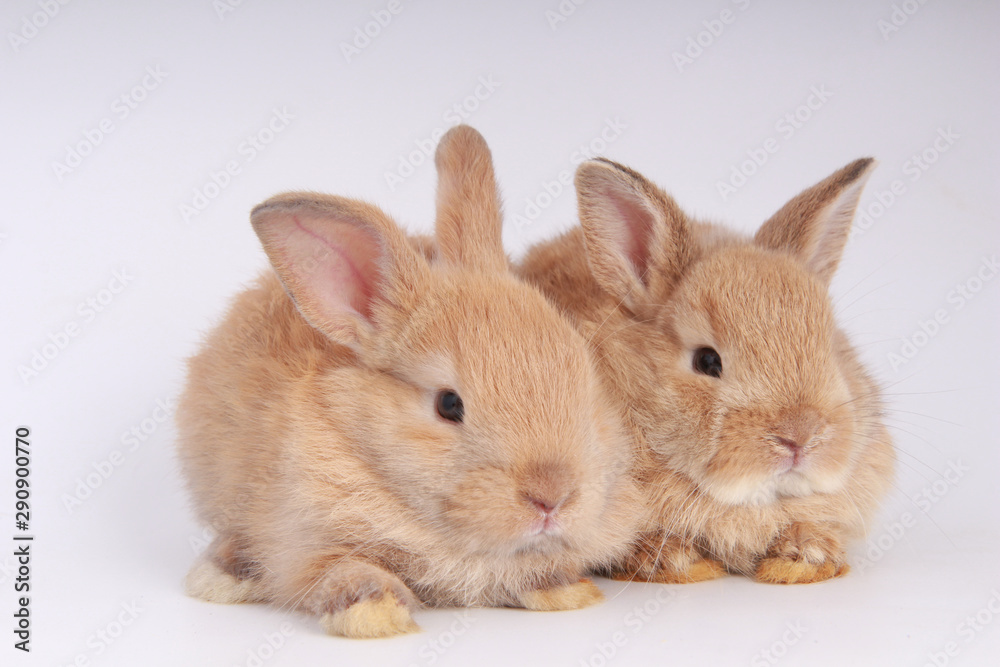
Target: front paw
x,y
804,553
360,600
664,559
371,618
208,581
578,595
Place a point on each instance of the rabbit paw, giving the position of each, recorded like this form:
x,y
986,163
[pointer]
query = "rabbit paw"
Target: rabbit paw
x,y
360,600
371,618
667,560
578,595
209,582
804,553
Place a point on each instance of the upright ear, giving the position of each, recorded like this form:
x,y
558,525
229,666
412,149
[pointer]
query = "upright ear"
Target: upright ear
x,y
637,238
337,258
814,225
469,221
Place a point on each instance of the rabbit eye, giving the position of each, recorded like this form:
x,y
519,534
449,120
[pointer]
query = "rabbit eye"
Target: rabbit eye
x,y
449,405
708,362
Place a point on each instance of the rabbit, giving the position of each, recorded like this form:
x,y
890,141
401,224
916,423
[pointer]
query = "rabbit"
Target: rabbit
x,y
762,445
402,423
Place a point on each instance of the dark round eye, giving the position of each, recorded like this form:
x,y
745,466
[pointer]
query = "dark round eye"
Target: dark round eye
x,y
449,405
708,362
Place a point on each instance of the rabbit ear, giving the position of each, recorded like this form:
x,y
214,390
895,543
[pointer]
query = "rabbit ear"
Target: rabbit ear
x,y
814,225
469,221
637,237
336,258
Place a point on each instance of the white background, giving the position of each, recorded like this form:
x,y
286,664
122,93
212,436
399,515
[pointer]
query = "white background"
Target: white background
x,y
555,86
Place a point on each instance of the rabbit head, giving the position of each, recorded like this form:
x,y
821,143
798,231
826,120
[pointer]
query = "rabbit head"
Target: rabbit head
x,y
487,421
748,387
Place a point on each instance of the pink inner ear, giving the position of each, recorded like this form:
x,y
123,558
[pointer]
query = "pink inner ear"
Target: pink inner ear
x,y
636,231
335,264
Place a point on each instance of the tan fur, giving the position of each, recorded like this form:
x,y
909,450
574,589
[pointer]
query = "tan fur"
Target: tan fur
x,y
788,571
372,618
576,595
666,559
208,582
648,286
309,435
464,167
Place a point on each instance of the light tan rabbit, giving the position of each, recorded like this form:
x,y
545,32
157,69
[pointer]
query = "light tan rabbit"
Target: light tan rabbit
x,y
762,441
369,431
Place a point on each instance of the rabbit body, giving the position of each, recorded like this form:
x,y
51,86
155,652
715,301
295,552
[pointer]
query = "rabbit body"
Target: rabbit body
x,y
770,467
314,440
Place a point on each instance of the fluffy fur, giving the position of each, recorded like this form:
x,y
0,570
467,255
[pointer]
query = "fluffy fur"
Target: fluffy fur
x,y
769,469
310,439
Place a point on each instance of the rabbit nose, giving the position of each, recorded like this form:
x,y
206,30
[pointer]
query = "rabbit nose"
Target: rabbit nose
x,y
796,450
547,485
798,430
790,444
547,507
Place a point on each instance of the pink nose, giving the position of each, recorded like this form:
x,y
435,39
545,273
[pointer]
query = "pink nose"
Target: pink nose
x,y
794,448
546,507
791,444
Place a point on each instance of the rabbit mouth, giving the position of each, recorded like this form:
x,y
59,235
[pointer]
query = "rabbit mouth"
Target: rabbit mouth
x,y
790,467
546,526
545,542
